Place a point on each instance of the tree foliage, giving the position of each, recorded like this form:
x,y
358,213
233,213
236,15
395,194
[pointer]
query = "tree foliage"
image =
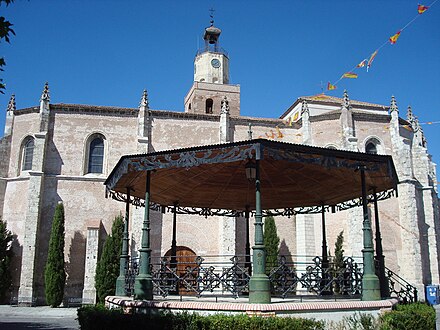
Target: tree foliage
x,y
5,32
5,259
338,261
54,274
271,242
107,268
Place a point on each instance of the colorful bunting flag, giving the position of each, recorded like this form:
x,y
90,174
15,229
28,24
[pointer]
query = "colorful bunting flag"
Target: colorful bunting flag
x,y
394,38
349,75
362,64
421,9
370,61
330,87
295,117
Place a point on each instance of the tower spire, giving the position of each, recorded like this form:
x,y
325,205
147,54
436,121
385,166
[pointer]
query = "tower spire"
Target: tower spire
x,y
211,15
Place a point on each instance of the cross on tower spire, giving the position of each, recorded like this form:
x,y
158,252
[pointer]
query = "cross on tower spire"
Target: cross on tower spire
x,y
212,10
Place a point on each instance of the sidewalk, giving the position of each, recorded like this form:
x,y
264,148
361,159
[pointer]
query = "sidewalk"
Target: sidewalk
x,y
17,318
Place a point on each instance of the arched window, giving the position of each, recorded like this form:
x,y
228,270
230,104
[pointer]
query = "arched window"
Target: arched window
x,y
28,154
209,103
372,146
95,159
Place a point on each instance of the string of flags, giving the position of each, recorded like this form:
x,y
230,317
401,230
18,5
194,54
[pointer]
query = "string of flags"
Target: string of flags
x,y
367,62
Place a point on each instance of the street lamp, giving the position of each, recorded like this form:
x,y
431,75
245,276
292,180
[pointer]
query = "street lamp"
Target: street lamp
x,y
251,170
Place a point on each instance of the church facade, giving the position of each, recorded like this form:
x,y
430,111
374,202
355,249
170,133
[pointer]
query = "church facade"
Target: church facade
x,y
62,153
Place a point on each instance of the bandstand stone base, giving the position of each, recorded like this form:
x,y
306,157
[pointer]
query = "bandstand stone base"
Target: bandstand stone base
x,y
318,309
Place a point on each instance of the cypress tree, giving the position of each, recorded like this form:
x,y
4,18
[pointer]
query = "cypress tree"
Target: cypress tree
x,y
338,263
5,259
107,268
54,274
271,242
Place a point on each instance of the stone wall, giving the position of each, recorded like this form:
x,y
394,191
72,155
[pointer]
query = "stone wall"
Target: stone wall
x,y
5,150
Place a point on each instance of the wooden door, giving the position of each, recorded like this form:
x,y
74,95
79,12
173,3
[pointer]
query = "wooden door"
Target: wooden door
x,y
186,269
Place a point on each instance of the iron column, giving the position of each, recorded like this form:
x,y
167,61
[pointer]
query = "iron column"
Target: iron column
x,y
259,285
370,282
380,258
143,285
173,261
124,259
325,289
247,248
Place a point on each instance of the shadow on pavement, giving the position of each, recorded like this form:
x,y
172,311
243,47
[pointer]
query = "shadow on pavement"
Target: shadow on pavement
x,y
30,325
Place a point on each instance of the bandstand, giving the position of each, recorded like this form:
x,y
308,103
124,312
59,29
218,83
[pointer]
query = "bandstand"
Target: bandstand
x,y
253,178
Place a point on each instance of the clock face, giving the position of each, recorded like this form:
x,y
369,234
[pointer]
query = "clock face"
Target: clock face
x,y
215,63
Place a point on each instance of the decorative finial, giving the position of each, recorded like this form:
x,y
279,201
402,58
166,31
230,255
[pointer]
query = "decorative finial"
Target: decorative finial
x,y
304,107
250,132
45,95
225,105
212,16
393,106
346,99
409,115
144,99
415,124
11,104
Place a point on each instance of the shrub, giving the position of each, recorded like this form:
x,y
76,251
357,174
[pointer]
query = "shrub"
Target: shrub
x,y
101,318
107,268
5,259
416,316
54,273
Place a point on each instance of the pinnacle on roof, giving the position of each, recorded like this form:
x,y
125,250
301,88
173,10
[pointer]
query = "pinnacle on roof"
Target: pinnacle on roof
x,y
393,106
144,99
225,105
409,115
45,95
11,104
346,101
304,107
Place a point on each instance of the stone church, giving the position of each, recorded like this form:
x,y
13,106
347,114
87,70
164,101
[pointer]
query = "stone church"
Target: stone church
x,y
56,152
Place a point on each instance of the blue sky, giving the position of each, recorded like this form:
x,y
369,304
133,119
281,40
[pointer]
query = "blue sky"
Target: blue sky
x,y
106,52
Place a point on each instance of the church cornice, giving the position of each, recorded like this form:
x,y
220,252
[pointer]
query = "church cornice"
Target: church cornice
x,y
334,101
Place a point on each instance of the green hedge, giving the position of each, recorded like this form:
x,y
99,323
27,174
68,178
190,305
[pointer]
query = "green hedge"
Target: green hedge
x,y
417,316
101,318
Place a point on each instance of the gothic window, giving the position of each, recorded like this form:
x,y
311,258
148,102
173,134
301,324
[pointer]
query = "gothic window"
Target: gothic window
x,y
331,146
372,146
95,159
209,103
28,154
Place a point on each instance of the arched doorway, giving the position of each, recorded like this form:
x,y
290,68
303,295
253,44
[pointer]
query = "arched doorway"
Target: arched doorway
x,y
185,265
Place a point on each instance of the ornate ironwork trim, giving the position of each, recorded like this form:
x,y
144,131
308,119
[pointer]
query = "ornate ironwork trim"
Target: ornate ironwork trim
x,y
286,212
185,159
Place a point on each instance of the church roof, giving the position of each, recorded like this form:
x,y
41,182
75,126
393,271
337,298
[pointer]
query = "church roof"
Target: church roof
x,y
335,101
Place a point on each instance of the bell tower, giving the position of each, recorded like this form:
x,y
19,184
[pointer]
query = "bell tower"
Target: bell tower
x,y
211,78
212,63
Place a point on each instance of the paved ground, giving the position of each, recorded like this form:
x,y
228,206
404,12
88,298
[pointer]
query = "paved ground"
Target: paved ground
x,y
19,318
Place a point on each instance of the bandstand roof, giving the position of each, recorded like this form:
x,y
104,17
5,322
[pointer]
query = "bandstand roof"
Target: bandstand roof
x,y
213,176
